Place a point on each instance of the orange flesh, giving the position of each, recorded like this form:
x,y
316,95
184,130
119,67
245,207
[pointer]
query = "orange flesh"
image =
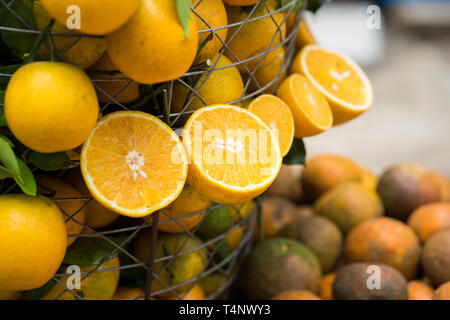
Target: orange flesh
x,y
277,115
129,160
311,100
232,144
336,76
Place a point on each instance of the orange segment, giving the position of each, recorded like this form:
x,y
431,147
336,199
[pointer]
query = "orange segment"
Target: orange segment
x,y
311,111
234,155
133,163
339,78
277,115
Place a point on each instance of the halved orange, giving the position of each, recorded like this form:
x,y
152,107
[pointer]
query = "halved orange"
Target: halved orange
x,y
345,85
234,155
277,115
133,163
311,111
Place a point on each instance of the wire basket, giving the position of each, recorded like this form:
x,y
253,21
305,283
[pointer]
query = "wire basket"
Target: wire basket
x,y
157,100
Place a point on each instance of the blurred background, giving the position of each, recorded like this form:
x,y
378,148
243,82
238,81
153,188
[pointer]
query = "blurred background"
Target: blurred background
x,y
405,49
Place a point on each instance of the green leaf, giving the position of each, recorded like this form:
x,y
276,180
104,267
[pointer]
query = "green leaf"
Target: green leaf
x,y
5,173
91,251
297,154
2,114
25,179
21,42
184,14
7,156
9,70
314,5
39,293
49,161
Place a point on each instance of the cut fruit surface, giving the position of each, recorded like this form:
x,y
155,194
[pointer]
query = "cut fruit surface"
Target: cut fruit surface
x,y
311,111
234,155
133,163
277,115
345,85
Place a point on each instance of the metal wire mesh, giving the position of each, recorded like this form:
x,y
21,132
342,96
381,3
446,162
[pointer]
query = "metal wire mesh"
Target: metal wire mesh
x,y
157,99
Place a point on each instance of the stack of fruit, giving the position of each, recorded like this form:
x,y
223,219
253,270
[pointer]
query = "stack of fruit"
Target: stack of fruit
x,y
85,187
333,230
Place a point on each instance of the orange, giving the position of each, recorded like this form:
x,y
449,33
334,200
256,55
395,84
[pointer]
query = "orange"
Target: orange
x,y
240,2
266,75
96,17
419,290
213,15
277,115
82,52
133,163
33,241
305,35
128,294
296,295
429,219
152,46
121,91
326,286
345,85
311,111
219,86
51,106
195,293
189,203
234,155
61,193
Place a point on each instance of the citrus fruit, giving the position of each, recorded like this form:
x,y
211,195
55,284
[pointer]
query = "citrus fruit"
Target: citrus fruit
x,y
82,52
320,235
99,285
188,202
443,292
266,76
296,295
128,294
95,17
367,179
312,114
124,91
234,155
33,241
220,86
195,293
213,15
305,34
217,221
278,265
133,163
277,115
276,213
152,46
404,187
442,184
430,219
326,286
181,268
419,290
242,210
384,240
10,295
288,183
254,40
338,78
211,283
436,258
62,193
352,281
97,216
348,205
58,111
324,172
240,2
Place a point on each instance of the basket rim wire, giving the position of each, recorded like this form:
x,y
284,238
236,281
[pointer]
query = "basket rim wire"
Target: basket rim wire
x,y
226,265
